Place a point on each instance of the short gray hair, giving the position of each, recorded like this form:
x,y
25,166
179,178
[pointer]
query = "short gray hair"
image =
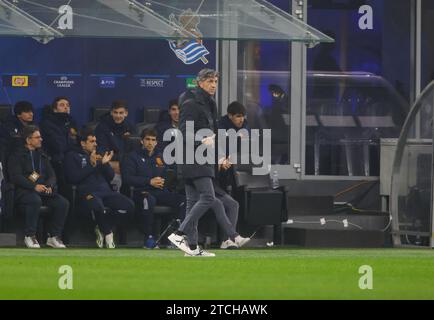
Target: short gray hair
x,y
205,74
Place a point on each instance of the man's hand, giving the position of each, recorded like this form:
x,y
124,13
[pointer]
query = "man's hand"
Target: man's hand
x,y
224,164
93,158
209,141
107,157
40,188
157,182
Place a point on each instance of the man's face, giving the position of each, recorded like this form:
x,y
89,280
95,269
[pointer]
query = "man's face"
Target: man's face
x,y
174,113
149,143
89,145
119,115
237,119
26,116
209,85
276,95
35,141
62,106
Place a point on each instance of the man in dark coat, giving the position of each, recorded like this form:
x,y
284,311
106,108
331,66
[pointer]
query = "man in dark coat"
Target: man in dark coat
x,y
12,128
146,171
113,133
92,174
198,106
59,133
114,130
35,184
168,123
234,120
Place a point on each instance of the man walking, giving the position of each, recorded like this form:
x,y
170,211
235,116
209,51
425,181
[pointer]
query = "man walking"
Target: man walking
x,y
199,106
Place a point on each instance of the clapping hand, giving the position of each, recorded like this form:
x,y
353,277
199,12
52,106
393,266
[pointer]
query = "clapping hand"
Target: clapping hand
x,y
93,158
107,157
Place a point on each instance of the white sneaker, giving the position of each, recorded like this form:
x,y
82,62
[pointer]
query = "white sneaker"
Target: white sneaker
x,y
180,242
199,253
99,238
31,242
240,241
109,243
228,244
55,242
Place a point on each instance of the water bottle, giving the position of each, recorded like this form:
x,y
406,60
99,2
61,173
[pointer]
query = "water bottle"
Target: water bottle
x,y
275,180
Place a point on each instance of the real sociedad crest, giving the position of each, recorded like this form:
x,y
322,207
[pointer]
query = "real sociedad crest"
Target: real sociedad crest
x,y
188,50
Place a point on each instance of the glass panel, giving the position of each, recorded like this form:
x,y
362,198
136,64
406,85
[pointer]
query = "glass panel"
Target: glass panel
x,y
358,87
427,42
412,180
208,19
265,92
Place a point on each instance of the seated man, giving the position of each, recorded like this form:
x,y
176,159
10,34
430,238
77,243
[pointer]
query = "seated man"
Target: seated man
x,y
113,133
91,173
59,133
145,170
35,185
11,130
236,120
166,124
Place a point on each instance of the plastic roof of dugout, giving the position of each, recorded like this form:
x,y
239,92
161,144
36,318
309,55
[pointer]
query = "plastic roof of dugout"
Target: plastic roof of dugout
x,y
162,19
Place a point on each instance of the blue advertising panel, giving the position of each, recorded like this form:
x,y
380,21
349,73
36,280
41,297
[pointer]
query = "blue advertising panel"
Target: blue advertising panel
x,y
94,72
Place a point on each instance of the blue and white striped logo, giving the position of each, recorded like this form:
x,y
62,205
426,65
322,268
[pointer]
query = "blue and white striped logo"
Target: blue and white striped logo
x,y
190,52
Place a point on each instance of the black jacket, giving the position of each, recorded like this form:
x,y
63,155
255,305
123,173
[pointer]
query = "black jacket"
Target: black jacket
x,y
226,123
198,106
138,168
20,168
161,128
89,179
10,136
112,136
58,131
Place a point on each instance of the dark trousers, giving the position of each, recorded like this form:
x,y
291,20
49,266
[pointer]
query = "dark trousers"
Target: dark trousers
x,y
121,209
153,198
31,204
62,186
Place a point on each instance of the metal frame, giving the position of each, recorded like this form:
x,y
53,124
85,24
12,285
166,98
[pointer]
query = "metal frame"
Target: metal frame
x,y
402,142
25,22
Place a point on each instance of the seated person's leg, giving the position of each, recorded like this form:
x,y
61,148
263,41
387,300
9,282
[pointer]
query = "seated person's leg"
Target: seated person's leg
x,y
121,206
95,204
231,208
145,209
222,219
59,207
31,203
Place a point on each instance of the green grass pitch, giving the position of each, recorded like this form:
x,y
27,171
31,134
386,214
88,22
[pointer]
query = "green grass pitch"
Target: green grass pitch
x,y
238,274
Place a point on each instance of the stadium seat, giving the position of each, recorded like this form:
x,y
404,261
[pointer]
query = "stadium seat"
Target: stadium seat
x,y
160,213
259,204
91,125
5,111
142,126
151,114
98,112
